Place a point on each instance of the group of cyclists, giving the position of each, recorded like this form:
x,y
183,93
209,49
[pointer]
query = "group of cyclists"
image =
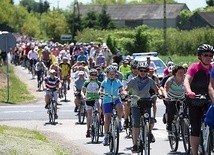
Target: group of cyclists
x,y
96,71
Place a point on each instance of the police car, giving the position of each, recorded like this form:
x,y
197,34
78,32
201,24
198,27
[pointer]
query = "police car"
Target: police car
x,y
158,63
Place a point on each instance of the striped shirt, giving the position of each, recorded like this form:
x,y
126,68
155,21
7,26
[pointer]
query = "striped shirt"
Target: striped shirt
x,y
51,84
175,91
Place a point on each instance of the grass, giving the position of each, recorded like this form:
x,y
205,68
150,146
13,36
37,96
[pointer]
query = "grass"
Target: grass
x,y
180,59
19,141
17,89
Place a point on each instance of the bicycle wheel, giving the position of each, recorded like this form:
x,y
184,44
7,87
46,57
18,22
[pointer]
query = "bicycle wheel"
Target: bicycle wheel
x,y
65,89
81,113
115,135
173,138
95,129
146,138
185,135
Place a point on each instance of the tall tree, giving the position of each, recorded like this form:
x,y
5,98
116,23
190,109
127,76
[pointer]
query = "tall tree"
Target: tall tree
x,y
105,19
90,20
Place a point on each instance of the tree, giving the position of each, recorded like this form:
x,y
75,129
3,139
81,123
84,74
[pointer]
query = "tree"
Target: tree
x,y
210,2
183,17
104,19
39,7
90,20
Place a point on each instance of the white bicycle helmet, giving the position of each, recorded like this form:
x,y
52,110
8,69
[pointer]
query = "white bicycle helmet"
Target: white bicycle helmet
x,y
111,68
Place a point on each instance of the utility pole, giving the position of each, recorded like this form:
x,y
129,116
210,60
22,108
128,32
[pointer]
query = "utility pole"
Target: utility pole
x,y
164,27
73,20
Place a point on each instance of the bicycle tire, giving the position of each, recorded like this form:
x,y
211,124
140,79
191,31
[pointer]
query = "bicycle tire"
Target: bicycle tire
x,y
146,138
95,130
129,129
65,89
185,133
173,139
53,112
114,138
81,113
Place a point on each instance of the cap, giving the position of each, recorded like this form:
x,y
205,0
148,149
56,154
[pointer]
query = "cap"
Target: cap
x,y
125,61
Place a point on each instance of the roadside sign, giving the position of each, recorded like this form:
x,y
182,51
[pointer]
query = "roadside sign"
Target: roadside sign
x,y
66,37
7,41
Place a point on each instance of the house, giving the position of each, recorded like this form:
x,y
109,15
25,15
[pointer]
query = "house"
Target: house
x,y
200,19
130,15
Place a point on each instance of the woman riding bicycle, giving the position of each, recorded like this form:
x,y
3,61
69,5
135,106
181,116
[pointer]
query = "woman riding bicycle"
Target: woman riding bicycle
x,y
111,86
196,82
140,85
90,89
173,89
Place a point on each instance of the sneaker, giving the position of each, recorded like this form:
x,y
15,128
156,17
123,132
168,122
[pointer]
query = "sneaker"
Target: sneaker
x,y
88,134
68,87
164,118
38,85
56,116
105,141
76,108
135,149
152,138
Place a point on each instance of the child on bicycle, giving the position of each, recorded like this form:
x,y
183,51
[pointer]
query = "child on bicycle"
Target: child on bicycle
x,y
90,89
52,85
111,86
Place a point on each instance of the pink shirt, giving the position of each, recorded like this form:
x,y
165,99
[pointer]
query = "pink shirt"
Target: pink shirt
x,y
195,67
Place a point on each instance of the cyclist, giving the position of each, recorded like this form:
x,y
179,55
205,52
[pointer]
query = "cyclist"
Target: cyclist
x,y
166,70
111,86
52,84
149,63
100,74
196,82
40,69
118,73
66,70
140,85
90,89
78,83
127,78
174,89
33,56
124,68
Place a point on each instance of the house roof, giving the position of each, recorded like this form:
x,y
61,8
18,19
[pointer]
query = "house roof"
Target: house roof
x,y
137,12
208,17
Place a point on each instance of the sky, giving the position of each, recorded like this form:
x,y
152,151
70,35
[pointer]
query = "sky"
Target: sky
x,y
192,4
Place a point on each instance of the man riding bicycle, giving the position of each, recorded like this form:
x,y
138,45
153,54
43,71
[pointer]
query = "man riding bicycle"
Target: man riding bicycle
x,y
65,70
140,85
196,82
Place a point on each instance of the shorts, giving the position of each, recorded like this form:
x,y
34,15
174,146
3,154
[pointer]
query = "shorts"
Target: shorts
x,y
48,93
97,104
107,107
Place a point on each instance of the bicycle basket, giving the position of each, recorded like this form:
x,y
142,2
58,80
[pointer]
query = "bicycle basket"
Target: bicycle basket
x,y
199,102
144,103
90,103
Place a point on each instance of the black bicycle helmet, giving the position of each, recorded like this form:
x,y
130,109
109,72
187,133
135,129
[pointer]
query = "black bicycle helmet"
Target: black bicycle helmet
x,y
134,63
205,48
111,68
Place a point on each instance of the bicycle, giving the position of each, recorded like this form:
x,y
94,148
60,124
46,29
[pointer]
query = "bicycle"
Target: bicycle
x,y
180,127
81,111
95,125
64,86
206,145
40,75
114,130
52,109
145,105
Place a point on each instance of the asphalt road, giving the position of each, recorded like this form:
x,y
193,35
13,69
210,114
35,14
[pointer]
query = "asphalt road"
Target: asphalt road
x,y
34,116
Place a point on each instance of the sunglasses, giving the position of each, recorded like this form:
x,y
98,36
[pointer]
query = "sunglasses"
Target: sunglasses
x,y
145,71
134,67
93,74
207,55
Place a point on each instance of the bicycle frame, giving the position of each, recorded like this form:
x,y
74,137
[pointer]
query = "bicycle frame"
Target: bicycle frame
x,y
52,110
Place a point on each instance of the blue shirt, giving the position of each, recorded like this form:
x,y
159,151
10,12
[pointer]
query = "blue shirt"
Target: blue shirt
x,y
81,58
112,88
